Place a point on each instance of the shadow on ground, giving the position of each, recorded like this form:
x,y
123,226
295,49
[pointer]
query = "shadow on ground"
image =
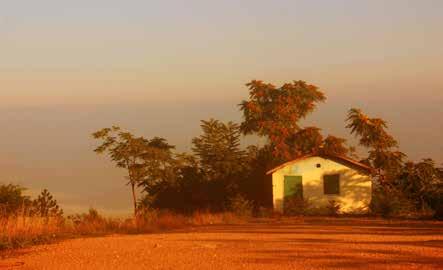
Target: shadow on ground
x,y
334,243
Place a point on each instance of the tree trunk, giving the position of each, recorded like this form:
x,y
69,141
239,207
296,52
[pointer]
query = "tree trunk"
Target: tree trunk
x,y
134,199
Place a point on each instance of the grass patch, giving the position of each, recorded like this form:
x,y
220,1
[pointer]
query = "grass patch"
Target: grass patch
x,y
19,231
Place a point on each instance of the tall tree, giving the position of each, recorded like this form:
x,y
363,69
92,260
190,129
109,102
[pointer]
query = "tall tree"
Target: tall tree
x,y
160,167
274,112
383,148
218,148
142,158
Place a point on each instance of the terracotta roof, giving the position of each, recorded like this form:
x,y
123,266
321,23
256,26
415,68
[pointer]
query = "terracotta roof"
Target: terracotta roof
x,y
340,159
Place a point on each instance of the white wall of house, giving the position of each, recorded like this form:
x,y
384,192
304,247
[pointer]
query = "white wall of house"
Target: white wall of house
x,y
355,188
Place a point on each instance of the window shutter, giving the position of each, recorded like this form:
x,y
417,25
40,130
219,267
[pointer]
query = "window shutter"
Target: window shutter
x,y
331,184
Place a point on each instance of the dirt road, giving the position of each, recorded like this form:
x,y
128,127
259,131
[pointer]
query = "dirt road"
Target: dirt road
x,y
290,244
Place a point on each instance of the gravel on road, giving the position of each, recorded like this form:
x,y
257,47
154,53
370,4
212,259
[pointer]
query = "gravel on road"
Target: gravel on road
x,y
263,244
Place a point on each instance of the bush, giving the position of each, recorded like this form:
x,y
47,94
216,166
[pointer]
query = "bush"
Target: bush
x,y
12,200
436,203
20,229
265,212
90,223
296,206
439,212
333,208
390,203
241,206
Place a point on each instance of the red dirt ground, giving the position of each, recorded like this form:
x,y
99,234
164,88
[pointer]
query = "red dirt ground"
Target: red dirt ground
x,y
311,243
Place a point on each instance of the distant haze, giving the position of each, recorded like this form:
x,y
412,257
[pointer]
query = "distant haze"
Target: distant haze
x,y
69,68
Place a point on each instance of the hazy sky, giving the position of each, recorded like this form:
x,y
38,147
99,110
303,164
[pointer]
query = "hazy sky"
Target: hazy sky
x,y
68,68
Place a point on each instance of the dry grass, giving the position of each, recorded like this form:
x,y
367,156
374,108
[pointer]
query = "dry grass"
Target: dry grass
x,y
22,230
18,231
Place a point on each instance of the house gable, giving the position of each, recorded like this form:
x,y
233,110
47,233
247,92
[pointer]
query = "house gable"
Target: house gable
x,y
338,159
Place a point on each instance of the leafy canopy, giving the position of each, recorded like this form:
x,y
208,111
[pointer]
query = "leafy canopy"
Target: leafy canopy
x,y
12,199
274,112
145,160
383,148
218,148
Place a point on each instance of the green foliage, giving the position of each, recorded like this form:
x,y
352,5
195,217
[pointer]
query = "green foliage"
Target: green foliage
x,y
383,148
255,184
188,190
390,202
220,175
219,170
218,149
309,140
296,206
274,112
146,160
91,217
12,199
241,206
373,135
334,146
46,206
417,191
333,208
405,187
372,131
422,183
305,141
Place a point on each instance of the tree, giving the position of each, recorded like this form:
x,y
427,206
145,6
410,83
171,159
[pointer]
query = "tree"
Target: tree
x,y
305,141
221,162
161,170
158,162
422,183
46,206
383,148
335,146
218,149
12,199
309,140
274,112
142,158
256,185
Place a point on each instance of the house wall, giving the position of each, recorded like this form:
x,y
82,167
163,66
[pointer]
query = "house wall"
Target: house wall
x,y
355,187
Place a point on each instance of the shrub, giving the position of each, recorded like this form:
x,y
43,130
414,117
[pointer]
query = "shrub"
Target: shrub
x,y
264,212
149,220
12,200
208,218
90,223
46,206
21,229
439,212
296,206
390,203
333,208
436,203
241,206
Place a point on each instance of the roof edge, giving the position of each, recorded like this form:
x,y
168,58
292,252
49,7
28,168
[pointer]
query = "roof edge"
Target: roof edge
x,y
336,158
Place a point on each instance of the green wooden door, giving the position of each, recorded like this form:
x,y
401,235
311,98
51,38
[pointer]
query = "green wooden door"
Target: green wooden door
x,y
293,186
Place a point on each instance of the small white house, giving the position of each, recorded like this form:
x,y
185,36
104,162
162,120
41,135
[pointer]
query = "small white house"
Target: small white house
x,y
321,179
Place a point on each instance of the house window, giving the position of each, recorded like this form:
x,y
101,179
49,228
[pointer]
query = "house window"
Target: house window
x,y
331,184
